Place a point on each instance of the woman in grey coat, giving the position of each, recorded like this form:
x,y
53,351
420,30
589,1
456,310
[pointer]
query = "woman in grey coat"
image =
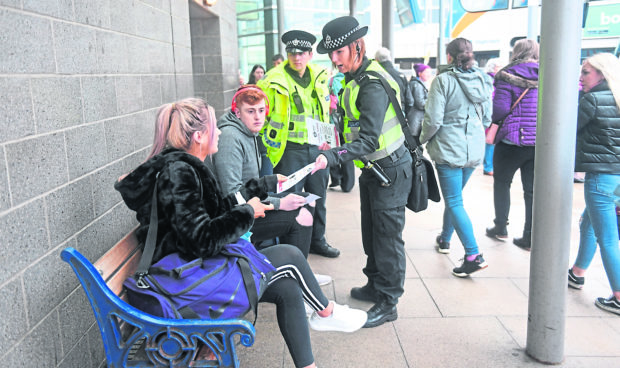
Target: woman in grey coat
x,y
457,111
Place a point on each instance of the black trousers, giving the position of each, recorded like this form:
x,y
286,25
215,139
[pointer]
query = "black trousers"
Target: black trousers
x,y
507,159
282,224
295,157
383,221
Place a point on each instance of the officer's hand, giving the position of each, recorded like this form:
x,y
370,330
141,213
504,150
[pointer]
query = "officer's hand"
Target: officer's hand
x,y
324,146
292,202
320,163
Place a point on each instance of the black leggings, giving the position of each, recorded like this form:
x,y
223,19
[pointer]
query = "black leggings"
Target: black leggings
x,y
291,285
507,159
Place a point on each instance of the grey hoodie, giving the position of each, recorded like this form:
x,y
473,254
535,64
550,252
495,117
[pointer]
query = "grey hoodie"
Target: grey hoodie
x,y
458,109
237,159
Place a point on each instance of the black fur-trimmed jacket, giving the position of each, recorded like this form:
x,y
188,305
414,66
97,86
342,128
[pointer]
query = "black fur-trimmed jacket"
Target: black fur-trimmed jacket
x,y
194,217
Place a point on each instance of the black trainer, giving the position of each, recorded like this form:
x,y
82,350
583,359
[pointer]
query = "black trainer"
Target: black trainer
x,y
498,232
610,304
575,282
325,250
469,267
442,245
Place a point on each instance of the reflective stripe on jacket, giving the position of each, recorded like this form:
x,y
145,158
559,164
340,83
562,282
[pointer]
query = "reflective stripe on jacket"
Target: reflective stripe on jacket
x,y
391,137
285,122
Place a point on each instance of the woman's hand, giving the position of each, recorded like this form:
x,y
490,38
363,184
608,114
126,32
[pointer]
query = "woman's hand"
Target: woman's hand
x,y
259,207
292,202
281,178
320,163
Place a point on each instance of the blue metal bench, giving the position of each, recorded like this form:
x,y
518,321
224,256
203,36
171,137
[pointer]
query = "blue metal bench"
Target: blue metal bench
x,y
132,338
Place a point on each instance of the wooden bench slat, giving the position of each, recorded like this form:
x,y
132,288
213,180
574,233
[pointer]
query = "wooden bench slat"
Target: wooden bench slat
x,y
116,257
115,281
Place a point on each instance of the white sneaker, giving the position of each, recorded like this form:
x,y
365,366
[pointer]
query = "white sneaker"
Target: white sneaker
x,y
323,279
342,319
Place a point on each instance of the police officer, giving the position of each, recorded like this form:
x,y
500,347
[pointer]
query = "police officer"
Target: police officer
x,y
298,90
372,134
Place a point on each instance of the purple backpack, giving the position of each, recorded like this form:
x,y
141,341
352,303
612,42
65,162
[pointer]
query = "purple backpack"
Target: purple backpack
x,y
221,287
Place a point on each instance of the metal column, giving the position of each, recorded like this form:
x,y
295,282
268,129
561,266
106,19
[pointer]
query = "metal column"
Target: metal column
x,y
280,5
533,19
387,25
352,7
441,44
553,179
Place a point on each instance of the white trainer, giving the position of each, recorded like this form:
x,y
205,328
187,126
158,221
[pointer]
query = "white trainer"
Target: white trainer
x,y
323,279
342,319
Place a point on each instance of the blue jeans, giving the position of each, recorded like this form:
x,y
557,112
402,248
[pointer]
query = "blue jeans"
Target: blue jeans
x,y
452,180
487,163
599,224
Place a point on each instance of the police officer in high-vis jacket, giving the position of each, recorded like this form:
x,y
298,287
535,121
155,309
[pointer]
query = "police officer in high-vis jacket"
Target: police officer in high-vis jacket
x,y
297,91
373,136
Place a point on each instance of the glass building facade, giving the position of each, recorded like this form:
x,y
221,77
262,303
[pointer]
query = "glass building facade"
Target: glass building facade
x,y
257,26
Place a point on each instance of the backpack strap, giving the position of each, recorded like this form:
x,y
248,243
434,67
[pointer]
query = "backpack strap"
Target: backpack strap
x,y
149,245
151,237
248,280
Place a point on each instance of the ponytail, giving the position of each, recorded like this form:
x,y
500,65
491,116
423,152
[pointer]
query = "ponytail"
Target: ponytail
x,y
176,123
462,53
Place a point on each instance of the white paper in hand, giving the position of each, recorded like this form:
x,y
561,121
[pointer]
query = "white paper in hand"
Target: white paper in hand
x,y
311,198
295,177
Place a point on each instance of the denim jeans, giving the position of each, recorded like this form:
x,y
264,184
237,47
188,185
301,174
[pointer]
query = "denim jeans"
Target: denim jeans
x,y
599,224
452,180
487,163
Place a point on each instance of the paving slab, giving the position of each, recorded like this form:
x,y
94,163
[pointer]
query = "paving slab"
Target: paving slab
x,y
445,321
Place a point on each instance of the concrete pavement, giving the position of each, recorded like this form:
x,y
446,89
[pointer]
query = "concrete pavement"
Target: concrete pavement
x,y
445,321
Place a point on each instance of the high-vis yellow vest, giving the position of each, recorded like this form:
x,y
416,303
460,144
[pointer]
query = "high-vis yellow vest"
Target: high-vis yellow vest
x,y
286,123
391,137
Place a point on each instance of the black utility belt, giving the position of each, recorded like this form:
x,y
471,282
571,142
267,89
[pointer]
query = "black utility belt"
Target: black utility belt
x,y
393,157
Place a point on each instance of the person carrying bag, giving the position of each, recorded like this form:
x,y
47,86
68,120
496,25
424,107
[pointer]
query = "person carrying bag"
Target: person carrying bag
x,y
221,287
494,128
424,183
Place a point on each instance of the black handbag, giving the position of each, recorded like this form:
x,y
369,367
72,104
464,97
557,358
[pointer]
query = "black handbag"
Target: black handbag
x,y
424,183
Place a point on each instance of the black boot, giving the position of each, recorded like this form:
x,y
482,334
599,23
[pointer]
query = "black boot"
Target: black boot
x,y
498,232
380,313
524,242
366,293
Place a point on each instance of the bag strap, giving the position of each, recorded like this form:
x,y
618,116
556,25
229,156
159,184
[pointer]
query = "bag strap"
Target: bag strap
x,y
412,142
151,237
519,99
149,245
248,280
501,122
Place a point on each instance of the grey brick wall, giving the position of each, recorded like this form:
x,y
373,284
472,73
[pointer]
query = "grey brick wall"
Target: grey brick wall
x,y
215,54
80,83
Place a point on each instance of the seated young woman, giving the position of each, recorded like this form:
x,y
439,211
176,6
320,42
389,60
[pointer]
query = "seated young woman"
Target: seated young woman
x,y
197,220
